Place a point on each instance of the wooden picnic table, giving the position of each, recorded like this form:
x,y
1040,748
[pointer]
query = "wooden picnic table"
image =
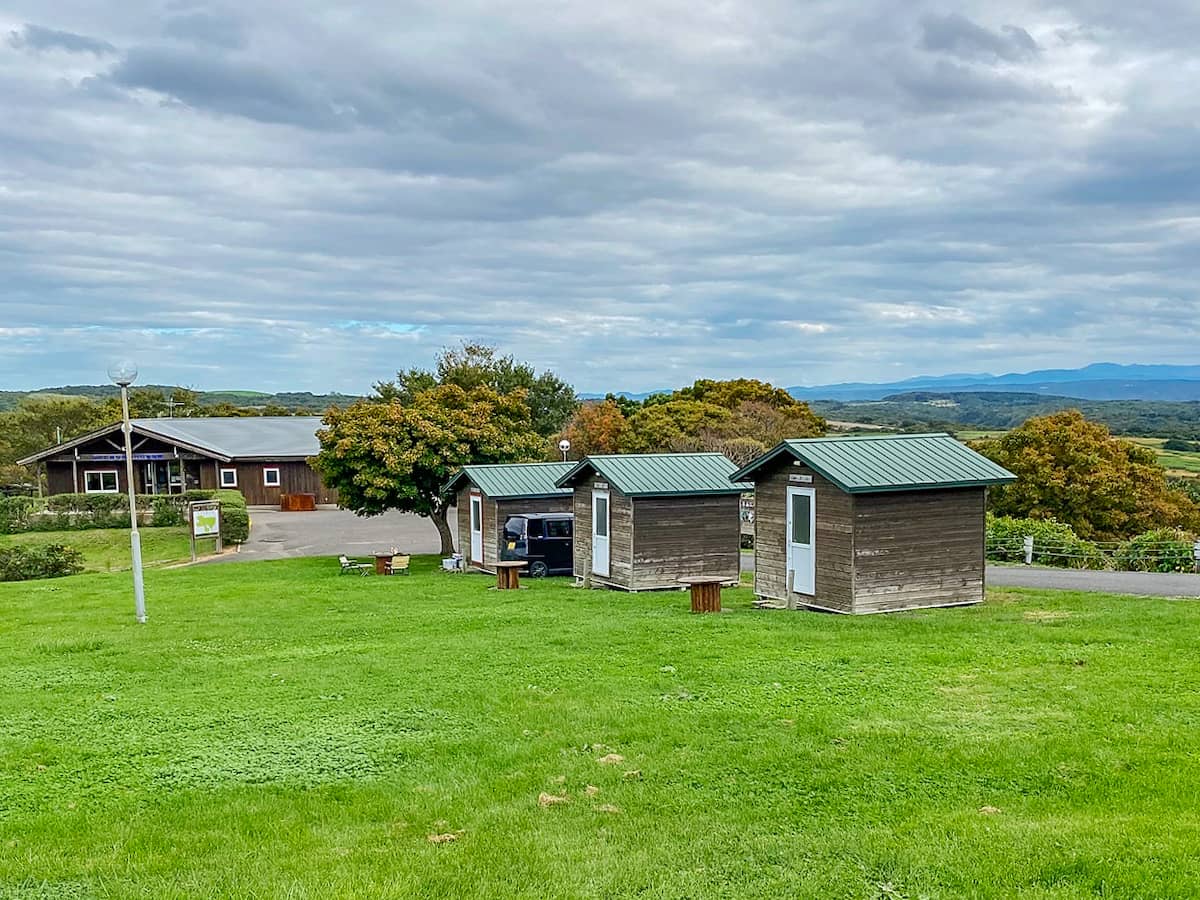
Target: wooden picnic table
x,y
508,574
383,560
706,592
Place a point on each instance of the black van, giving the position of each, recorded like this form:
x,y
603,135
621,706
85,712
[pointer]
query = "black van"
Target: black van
x,y
544,540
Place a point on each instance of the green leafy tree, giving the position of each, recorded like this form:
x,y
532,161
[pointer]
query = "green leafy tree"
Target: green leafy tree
x,y
1075,471
673,426
551,400
731,394
627,406
41,422
740,418
394,455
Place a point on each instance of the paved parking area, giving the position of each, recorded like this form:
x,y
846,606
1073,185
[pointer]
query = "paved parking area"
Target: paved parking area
x,y
332,532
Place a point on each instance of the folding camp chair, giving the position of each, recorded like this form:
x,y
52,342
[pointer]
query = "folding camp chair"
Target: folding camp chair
x,y
352,565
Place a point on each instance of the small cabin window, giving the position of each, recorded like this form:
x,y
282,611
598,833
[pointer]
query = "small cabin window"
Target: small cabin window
x,y
558,528
229,478
103,481
271,477
801,519
601,528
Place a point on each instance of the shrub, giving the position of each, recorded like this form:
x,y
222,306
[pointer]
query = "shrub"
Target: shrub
x,y
166,513
1161,550
1181,446
23,563
1054,543
16,514
235,524
230,498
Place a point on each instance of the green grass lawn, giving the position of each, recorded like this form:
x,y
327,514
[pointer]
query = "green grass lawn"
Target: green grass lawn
x,y
279,731
107,549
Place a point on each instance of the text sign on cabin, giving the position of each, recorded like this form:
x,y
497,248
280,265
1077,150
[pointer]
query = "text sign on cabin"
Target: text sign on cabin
x,y
600,485
800,479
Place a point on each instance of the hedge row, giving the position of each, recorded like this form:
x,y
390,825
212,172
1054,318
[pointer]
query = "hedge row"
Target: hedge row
x,y
1056,544
48,561
65,512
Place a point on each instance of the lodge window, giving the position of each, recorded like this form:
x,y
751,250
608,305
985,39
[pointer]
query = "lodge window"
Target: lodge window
x,y
229,478
271,477
103,481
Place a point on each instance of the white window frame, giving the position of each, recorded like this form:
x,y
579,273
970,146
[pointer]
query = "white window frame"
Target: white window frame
x,y
278,480
227,484
102,490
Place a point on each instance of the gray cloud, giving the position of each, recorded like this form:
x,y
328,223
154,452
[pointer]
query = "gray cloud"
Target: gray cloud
x,y
957,35
220,29
35,37
274,195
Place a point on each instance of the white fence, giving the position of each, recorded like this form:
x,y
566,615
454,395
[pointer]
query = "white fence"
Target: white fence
x,y
1092,554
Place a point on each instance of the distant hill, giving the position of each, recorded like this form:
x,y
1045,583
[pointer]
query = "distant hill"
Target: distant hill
x,y
951,411
301,401
1099,381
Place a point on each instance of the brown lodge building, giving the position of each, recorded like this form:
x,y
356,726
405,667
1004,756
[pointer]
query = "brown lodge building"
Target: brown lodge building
x,y
263,457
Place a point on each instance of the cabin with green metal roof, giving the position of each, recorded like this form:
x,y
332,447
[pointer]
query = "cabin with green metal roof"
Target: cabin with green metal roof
x,y
870,524
643,521
486,495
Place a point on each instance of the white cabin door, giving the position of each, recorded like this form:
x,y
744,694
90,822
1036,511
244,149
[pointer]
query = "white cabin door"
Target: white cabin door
x,y
600,526
801,538
476,529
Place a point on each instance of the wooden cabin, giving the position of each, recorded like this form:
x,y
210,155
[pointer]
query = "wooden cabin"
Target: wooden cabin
x,y
870,524
643,521
486,495
264,457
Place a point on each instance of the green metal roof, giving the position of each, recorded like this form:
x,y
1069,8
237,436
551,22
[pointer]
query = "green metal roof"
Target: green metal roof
x,y
513,481
894,462
661,474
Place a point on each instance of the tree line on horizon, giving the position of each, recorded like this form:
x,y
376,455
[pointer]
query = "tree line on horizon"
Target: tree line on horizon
x,y
396,448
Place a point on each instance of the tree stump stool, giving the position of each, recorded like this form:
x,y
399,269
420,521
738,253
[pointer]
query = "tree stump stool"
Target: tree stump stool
x,y
706,593
508,575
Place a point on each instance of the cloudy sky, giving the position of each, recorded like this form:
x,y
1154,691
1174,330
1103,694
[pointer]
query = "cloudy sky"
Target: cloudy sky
x,y
302,195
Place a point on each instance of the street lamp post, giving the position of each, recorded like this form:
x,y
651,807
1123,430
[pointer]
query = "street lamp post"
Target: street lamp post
x,y
123,374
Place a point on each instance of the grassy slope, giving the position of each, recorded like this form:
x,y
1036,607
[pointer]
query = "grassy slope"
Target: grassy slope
x,y
107,549
277,730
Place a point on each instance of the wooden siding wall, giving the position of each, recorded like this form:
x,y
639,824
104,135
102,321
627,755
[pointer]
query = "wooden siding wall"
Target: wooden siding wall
x,y
295,477
490,538
918,549
495,513
676,537
834,538
620,536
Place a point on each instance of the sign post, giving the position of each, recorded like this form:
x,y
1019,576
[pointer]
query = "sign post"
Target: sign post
x,y
204,521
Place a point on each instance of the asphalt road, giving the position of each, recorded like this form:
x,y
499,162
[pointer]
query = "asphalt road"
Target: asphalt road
x,y
1144,584
332,532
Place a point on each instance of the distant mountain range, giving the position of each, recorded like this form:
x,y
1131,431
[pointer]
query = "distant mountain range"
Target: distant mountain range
x,y
1099,381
